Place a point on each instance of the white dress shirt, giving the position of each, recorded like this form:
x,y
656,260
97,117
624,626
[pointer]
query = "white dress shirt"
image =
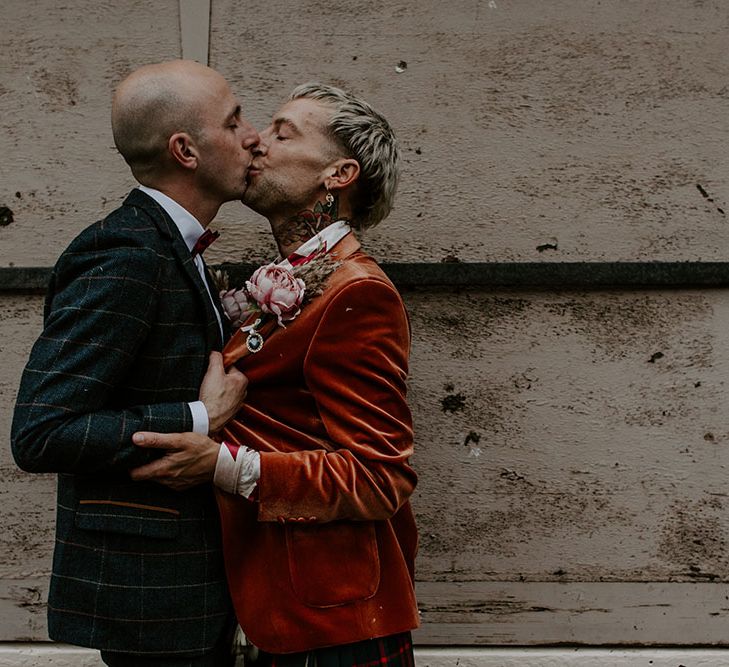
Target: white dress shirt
x,y
191,231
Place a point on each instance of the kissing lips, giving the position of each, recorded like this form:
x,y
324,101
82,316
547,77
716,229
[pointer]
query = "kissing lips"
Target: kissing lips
x,y
251,174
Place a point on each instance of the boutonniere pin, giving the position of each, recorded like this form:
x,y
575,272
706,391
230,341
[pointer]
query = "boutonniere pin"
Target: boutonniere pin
x,y
275,290
272,291
282,289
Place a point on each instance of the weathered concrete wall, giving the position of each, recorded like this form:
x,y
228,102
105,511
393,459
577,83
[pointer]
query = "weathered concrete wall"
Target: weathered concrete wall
x,y
572,458
574,442
585,124
572,446
60,63
590,423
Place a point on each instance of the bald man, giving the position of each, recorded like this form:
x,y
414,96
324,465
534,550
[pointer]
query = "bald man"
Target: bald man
x,y
131,342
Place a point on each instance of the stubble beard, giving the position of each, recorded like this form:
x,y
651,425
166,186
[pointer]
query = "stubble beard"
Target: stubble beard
x,y
274,201
271,199
224,192
263,196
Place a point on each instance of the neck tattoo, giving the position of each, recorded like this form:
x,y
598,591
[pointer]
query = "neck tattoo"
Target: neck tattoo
x,y
307,224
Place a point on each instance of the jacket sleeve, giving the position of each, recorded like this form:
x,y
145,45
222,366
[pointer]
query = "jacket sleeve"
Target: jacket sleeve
x,y
101,307
356,368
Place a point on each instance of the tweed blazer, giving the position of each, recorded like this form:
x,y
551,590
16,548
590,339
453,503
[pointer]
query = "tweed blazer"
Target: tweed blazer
x,y
127,334
325,554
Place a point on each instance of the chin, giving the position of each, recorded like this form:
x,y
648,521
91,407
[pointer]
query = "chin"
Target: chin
x,y
252,195
248,200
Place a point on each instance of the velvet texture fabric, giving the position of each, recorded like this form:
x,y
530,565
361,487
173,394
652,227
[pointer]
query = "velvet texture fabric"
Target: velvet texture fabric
x,y
325,554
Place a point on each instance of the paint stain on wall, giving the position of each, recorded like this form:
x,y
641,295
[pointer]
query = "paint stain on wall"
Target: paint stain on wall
x,y
617,323
60,87
452,402
6,216
694,539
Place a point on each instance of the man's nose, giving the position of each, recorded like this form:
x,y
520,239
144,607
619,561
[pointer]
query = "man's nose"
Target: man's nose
x,y
261,146
250,138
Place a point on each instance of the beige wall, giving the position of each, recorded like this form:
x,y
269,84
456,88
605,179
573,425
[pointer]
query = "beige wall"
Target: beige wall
x,y
586,121
572,481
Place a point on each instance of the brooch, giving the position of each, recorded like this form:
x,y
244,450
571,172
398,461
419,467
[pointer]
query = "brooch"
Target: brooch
x,y
254,340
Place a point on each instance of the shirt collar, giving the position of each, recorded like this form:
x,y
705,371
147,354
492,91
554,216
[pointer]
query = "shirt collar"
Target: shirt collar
x,y
186,222
325,240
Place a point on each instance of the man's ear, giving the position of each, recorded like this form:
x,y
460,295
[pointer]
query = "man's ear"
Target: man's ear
x,y
183,150
342,174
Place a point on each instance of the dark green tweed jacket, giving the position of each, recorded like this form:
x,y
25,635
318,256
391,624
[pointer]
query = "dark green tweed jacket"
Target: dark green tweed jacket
x,y
128,330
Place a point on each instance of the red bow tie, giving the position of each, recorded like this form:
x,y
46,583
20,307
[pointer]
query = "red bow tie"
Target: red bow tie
x,y
204,241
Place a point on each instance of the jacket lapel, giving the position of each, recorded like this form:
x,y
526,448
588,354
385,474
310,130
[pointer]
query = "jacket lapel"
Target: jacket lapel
x,y
236,348
218,304
185,258
169,230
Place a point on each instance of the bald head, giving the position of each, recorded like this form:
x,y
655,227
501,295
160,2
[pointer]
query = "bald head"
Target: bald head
x,y
153,103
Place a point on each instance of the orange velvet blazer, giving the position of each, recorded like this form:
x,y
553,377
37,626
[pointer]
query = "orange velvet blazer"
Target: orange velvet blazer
x,y
325,554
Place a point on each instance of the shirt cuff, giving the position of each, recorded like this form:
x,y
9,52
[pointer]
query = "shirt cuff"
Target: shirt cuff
x,y
200,420
237,470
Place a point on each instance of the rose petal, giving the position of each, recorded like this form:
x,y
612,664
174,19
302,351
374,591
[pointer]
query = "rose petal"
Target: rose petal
x,y
290,316
283,296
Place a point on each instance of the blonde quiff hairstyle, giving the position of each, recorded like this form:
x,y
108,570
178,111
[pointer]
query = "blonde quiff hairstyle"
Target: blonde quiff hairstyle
x,y
366,136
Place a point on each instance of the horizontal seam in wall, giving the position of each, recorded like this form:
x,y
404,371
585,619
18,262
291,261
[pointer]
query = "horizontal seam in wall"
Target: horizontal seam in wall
x,y
494,275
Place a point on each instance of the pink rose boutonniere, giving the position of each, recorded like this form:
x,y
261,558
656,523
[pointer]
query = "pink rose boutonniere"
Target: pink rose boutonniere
x,y
277,292
281,289
272,290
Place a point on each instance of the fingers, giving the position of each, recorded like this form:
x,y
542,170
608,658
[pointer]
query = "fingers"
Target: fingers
x,y
222,391
215,367
165,440
160,471
215,362
240,382
148,471
154,440
233,372
190,459
239,378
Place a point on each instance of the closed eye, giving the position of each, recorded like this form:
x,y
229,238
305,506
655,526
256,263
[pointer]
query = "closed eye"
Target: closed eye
x,y
234,118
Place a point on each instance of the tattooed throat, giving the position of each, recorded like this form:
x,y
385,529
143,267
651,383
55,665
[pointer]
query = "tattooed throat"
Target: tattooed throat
x,y
308,223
